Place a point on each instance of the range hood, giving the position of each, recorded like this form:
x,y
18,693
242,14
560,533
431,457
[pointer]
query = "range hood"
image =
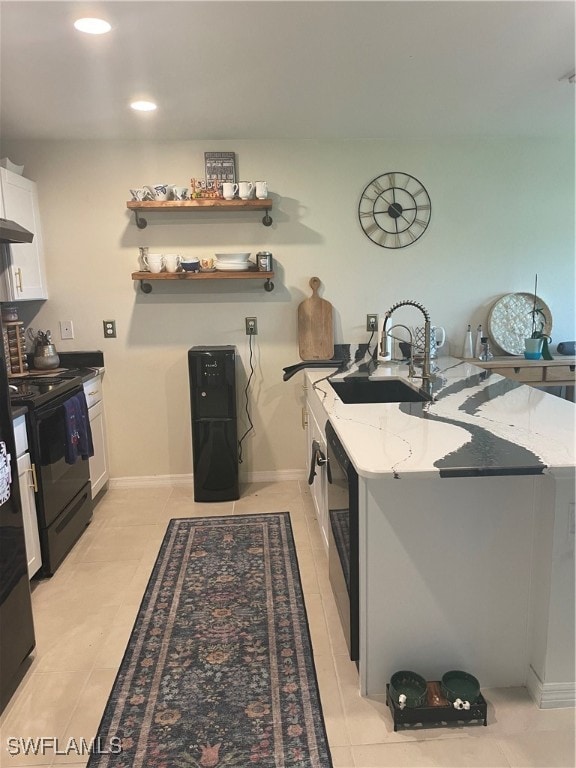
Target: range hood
x,y
10,232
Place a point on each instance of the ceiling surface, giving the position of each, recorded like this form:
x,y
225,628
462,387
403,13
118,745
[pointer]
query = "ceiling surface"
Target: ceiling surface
x,y
272,69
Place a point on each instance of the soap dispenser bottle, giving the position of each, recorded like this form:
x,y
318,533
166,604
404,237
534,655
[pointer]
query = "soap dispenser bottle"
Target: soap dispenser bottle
x,y
478,348
468,347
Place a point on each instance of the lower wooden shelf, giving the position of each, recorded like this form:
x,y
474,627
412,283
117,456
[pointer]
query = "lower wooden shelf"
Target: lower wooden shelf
x,y
437,710
146,278
558,372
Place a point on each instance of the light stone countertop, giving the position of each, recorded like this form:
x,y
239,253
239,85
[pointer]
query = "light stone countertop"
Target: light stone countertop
x,y
478,424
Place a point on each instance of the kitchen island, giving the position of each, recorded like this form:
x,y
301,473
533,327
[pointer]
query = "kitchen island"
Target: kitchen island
x,y
466,529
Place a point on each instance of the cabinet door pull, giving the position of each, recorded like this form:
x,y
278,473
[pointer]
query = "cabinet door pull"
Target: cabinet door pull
x,y
34,483
19,280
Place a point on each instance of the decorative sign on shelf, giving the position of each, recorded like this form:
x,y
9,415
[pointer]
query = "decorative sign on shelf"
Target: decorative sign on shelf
x,y
220,167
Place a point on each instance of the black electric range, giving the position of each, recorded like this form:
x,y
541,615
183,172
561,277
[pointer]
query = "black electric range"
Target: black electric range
x,y
62,493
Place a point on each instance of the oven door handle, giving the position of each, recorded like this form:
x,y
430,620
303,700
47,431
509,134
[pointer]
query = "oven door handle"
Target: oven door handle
x,y
318,460
44,412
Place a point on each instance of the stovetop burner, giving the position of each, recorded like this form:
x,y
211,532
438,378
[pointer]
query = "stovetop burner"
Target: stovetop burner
x,y
38,390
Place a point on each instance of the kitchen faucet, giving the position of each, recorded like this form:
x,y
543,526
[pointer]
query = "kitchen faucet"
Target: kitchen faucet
x,y
390,335
426,376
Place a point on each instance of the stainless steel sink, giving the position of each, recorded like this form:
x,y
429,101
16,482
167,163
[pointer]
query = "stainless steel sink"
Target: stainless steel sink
x,y
365,390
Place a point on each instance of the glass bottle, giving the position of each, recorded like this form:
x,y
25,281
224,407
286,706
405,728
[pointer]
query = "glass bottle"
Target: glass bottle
x,y
468,347
486,353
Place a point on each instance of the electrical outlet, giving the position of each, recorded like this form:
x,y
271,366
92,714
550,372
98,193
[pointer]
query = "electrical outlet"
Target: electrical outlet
x,y
66,329
109,329
371,323
251,326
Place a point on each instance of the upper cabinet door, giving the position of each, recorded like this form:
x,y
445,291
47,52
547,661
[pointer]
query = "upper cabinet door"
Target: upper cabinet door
x,y
23,276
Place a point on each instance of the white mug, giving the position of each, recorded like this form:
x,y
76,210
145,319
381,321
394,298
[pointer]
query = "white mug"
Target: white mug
x,y
437,340
245,189
229,190
207,263
159,191
154,262
180,193
261,190
172,262
140,194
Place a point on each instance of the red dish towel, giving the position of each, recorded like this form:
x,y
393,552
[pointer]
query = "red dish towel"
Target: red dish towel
x,y
78,432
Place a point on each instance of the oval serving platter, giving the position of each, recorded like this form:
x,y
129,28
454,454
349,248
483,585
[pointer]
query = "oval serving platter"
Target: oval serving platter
x,y
510,321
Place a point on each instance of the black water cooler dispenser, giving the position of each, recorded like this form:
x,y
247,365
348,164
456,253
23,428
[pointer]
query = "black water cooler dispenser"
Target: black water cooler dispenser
x,y
212,373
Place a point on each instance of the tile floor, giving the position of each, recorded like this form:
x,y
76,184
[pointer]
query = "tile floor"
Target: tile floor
x,y
85,612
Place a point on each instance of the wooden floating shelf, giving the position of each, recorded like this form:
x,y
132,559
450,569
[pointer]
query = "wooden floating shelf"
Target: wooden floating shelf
x,y
250,274
200,204
216,202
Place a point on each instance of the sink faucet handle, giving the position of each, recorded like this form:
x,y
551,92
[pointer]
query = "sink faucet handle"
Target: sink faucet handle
x,y
382,344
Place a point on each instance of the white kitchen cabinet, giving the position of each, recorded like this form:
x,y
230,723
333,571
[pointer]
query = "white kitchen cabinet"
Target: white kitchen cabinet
x,y
27,485
22,274
316,460
99,462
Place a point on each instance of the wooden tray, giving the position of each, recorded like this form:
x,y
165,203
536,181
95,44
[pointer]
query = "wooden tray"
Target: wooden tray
x,y
437,710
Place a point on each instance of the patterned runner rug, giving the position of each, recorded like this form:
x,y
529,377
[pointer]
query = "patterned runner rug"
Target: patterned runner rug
x,y
218,671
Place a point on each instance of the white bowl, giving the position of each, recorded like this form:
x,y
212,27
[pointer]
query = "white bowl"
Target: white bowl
x,y
232,257
231,266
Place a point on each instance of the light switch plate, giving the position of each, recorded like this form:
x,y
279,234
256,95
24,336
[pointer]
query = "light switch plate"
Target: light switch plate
x,y
66,329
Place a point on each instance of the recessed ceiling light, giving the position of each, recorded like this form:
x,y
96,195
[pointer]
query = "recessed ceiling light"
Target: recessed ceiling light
x,y
143,106
92,26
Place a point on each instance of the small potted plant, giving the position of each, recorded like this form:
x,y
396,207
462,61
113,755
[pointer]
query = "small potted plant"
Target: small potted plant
x,y
536,346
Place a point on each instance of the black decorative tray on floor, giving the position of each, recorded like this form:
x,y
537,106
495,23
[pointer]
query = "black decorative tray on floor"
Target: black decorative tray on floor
x,y
437,710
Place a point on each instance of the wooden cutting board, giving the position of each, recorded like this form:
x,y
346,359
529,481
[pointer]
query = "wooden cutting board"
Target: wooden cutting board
x,y
315,326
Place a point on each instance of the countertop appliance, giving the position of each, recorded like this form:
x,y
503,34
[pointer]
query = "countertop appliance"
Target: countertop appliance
x,y
16,623
212,373
343,539
63,496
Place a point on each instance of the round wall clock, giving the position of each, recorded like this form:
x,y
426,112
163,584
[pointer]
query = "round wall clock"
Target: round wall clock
x,y
394,210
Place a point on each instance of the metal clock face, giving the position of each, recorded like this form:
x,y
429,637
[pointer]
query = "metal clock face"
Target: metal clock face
x,y
394,210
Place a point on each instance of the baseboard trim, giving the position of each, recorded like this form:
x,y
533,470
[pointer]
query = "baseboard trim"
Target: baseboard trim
x,y
151,481
274,476
550,695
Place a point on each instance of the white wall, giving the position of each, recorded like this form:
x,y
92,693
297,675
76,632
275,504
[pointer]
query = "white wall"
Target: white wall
x,y
502,210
